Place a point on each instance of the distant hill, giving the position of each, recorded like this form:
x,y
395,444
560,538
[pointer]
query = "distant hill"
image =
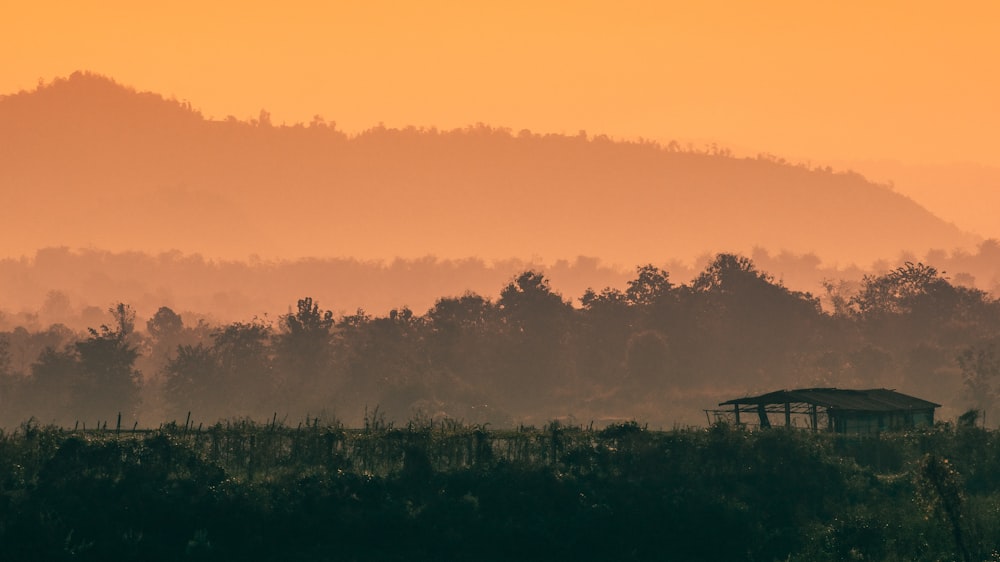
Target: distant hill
x,y
967,194
86,162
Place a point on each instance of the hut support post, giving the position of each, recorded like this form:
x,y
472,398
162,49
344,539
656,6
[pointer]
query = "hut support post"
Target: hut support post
x,y
815,417
736,411
788,414
762,414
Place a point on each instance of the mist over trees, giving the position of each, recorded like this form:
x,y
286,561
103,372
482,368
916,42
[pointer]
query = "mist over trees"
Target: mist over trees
x,y
483,339
651,348
37,292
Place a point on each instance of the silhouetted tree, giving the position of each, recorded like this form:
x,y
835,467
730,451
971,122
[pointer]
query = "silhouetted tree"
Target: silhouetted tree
x,y
397,365
915,304
165,331
165,324
460,337
535,339
25,346
748,325
730,274
108,382
650,287
50,390
193,383
4,355
604,327
245,367
608,298
303,355
897,291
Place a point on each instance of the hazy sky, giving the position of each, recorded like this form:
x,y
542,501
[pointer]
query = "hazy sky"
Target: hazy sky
x,y
911,81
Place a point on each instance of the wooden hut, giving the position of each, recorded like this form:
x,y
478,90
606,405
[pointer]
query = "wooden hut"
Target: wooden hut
x,y
832,409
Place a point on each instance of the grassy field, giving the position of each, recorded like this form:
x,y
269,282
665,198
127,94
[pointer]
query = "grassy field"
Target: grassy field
x,y
447,491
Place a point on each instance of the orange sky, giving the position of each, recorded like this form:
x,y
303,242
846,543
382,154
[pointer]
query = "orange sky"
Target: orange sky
x,y
915,82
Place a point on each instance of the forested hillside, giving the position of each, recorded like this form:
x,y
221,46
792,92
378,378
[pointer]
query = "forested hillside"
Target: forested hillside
x,y
85,162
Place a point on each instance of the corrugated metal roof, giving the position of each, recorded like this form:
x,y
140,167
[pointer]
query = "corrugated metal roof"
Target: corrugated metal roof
x,y
871,400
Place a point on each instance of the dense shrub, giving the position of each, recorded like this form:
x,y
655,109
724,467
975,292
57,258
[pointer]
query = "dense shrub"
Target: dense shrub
x,y
241,491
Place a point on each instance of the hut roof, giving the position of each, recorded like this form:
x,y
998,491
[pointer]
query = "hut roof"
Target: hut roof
x,y
871,400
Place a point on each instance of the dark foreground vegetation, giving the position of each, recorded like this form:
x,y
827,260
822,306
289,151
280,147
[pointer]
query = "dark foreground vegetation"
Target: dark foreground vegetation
x,y
446,491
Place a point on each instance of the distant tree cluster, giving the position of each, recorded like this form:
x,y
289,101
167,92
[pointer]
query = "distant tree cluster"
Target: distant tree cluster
x,y
652,350
37,293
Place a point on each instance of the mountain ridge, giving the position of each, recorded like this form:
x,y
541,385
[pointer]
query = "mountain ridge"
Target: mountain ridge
x,y
93,163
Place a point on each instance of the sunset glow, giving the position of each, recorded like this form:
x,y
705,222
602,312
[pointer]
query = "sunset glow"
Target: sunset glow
x,y
904,94
850,81
519,280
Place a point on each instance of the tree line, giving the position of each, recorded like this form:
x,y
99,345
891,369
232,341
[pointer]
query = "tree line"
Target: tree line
x,y
651,350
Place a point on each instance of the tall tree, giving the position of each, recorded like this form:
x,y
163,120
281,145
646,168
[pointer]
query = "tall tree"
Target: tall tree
x,y
165,331
746,323
108,382
651,286
459,339
48,394
165,324
897,291
304,356
245,367
535,340
193,383
916,304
